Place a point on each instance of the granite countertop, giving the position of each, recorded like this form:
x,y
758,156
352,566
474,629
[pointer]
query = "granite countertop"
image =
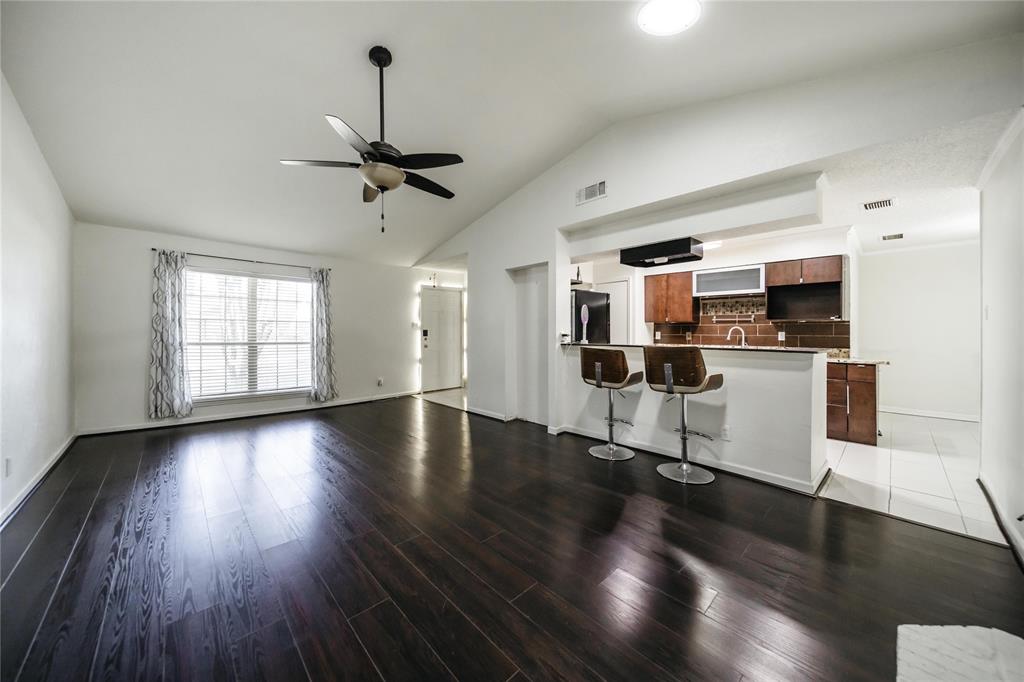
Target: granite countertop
x,y
858,361
769,349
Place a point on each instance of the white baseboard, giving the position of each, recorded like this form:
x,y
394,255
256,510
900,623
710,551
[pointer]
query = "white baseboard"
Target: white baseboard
x,y
239,415
488,413
1009,523
750,472
34,481
956,416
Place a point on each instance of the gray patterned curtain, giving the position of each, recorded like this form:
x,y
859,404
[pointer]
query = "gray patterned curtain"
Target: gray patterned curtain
x,y
323,339
169,392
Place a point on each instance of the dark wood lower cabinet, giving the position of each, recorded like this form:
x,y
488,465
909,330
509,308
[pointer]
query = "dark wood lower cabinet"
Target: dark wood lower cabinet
x,y
852,409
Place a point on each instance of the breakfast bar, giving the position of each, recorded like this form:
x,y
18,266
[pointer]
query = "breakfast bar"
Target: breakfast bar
x,y
768,421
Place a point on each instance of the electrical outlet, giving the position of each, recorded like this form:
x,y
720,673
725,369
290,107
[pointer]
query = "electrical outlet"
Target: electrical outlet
x,y
689,336
782,336
7,467
726,432
380,381
657,336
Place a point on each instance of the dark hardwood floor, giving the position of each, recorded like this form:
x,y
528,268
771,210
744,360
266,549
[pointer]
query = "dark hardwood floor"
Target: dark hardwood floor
x,y
408,540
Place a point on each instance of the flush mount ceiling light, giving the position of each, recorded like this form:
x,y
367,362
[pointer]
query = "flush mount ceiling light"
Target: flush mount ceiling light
x,y
668,17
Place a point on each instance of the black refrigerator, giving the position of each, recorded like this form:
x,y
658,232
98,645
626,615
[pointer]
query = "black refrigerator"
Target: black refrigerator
x,y
599,322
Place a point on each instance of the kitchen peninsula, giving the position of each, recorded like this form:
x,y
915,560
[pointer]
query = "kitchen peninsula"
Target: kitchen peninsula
x,y
768,420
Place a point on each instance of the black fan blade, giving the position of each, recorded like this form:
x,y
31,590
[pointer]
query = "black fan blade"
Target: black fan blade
x,y
328,164
421,161
420,182
351,136
369,193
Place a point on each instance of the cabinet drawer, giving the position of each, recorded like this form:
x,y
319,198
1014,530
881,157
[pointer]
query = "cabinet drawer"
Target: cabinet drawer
x,y
836,370
836,392
861,373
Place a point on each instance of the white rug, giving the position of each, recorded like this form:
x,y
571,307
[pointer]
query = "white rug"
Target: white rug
x,y
954,652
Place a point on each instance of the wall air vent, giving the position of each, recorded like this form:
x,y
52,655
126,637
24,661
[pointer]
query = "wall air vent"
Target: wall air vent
x,y
894,235
590,193
880,203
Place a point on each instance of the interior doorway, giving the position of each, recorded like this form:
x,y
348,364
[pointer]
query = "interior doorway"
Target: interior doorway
x,y
531,343
618,303
440,339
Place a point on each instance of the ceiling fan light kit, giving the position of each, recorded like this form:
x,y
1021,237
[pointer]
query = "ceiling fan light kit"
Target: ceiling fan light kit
x,y
384,168
382,176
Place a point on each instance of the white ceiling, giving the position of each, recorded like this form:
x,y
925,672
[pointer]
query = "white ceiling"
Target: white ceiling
x,y
172,116
931,176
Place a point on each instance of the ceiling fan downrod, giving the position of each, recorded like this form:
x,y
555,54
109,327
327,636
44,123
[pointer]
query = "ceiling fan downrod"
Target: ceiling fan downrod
x,y
380,57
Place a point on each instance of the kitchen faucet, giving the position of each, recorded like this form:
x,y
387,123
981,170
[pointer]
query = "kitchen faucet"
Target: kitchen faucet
x,y
743,336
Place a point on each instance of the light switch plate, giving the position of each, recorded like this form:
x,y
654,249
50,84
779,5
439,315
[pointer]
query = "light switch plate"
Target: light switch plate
x,y
689,336
657,336
782,336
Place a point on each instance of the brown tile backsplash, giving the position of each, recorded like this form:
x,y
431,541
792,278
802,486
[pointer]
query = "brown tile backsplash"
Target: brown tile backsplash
x,y
719,314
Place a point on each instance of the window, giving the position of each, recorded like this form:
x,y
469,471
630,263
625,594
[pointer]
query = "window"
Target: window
x,y
247,334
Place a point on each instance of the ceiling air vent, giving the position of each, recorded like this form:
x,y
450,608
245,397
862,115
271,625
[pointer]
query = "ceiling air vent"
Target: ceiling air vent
x,y
880,203
890,237
590,192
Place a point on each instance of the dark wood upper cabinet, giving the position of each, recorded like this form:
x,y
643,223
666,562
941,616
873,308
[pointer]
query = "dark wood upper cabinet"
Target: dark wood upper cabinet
x,y
805,271
655,298
681,306
806,289
669,298
818,270
782,273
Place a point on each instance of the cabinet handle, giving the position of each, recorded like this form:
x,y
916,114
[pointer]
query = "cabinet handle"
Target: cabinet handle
x,y
847,398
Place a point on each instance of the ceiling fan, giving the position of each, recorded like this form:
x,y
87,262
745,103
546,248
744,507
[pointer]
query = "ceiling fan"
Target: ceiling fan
x,y
384,167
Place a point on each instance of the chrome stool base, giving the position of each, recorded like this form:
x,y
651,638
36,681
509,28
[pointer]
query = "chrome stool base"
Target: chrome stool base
x,y
612,452
684,472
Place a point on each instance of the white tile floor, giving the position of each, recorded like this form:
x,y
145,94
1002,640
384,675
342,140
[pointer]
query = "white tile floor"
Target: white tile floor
x,y
922,469
455,397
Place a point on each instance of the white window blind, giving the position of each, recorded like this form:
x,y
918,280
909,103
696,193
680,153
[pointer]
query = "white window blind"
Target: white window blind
x,y
247,334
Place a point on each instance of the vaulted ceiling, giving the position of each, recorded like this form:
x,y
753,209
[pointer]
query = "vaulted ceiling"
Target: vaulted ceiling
x,y
172,116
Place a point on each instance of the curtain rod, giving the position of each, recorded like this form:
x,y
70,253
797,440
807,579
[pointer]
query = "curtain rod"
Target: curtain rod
x,y
244,260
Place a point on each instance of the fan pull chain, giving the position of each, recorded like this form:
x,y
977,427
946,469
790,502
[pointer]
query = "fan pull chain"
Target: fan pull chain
x,y
382,212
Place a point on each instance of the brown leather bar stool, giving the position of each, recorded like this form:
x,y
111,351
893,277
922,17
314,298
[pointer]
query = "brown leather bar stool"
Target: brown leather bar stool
x,y
680,370
607,368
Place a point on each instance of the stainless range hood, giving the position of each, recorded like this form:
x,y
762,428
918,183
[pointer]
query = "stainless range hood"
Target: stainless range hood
x,y
663,253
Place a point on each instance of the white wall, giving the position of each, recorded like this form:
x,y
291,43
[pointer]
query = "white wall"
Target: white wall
x,y
920,309
696,151
1002,295
36,409
375,310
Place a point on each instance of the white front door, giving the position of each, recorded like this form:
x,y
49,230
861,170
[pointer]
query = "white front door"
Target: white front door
x,y
441,338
